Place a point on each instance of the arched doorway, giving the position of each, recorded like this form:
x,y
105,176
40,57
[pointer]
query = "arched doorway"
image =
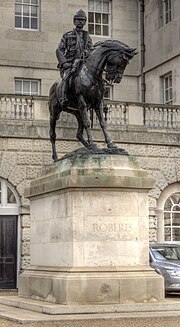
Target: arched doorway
x,y
9,212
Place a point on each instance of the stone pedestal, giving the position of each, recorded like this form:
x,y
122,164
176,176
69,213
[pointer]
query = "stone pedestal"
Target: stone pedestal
x,y
89,233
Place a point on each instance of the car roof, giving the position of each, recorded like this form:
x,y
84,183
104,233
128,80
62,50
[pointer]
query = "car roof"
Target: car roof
x,y
167,244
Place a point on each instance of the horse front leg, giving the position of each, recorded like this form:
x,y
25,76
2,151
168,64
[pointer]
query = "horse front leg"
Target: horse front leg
x,y
80,130
100,116
85,121
52,135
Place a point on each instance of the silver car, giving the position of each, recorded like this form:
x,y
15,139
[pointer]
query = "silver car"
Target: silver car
x,y
165,259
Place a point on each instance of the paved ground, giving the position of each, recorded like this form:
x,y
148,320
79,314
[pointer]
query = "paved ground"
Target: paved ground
x,y
118,322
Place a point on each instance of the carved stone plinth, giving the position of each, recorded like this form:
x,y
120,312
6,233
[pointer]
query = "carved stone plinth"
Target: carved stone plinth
x,y
89,233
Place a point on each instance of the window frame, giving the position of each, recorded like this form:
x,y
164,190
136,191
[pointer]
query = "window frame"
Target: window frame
x,y
101,24
29,16
109,89
167,11
23,80
172,226
167,84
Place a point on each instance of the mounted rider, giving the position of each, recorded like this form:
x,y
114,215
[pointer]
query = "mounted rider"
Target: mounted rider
x,y
72,48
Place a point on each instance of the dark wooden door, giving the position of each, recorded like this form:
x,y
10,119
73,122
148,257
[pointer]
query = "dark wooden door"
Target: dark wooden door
x,y
8,251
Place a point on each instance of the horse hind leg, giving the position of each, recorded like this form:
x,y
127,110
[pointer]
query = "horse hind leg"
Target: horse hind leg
x,y
54,115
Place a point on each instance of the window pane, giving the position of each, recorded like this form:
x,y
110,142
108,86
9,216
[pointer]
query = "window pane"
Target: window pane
x,y
99,6
34,23
91,29
34,2
98,18
25,22
176,234
105,6
167,236
107,93
18,86
91,5
167,220
91,17
34,87
105,30
26,10
18,10
18,1
170,80
170,94
26,87
98,30
10,196
166,82
34,11
17,21
26,1
105,19
166,95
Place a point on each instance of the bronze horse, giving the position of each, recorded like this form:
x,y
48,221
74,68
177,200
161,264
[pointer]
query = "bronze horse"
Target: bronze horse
x,y
86,90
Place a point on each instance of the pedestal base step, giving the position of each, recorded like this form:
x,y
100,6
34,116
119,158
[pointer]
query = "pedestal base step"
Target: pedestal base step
x,y
58,309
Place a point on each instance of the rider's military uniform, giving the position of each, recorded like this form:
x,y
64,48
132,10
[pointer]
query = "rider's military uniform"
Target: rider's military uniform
x,y
73,45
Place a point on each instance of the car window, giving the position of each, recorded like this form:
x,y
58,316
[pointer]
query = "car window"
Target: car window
x,y
167,253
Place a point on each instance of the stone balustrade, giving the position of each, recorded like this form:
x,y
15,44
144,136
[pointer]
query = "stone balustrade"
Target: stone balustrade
x,y
117,113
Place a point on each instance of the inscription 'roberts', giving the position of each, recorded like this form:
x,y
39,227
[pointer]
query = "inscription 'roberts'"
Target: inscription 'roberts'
x,y
116,227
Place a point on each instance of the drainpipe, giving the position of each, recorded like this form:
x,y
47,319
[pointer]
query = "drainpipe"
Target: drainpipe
x,y
142,48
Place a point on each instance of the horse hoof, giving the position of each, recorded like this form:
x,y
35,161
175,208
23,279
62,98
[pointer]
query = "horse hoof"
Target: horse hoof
x,y
55,158
92,146
112,146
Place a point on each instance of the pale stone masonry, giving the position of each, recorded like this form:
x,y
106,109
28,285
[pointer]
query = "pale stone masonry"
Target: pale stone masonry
x,y
150,133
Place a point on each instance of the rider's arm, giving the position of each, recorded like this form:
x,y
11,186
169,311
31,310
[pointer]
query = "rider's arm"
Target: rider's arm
x,y
60,51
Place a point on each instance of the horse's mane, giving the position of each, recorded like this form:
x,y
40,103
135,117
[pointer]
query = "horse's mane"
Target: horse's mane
x,y
115,45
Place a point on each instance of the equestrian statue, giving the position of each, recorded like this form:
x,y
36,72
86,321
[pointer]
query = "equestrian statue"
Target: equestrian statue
x,y
82,87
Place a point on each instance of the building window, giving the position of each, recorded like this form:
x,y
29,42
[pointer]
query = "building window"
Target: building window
x,y
7,196
172,218
28,87
99,13
166,11
27,14
108,93
167,89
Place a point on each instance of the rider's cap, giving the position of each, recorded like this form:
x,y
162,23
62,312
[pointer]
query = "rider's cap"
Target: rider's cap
x,y
80,14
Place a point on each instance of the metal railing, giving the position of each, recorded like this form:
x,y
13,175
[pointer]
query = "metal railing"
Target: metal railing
x,y
117,113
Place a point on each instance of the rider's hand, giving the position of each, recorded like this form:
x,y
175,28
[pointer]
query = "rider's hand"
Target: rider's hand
x,y
66,65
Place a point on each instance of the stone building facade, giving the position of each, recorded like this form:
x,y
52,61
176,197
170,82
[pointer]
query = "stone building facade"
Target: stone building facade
x,y
149,132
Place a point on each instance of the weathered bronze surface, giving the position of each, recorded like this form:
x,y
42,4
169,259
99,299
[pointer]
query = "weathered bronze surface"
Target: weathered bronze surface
x,y
82,87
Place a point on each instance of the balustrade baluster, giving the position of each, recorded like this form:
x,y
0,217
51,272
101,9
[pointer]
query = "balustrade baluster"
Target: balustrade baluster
x,y
174,121
169,118
2,101
8,108
156,117
160,117
178,118
164,117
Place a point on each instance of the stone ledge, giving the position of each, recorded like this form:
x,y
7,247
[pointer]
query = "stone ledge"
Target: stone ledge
x,y
56,309
91,171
